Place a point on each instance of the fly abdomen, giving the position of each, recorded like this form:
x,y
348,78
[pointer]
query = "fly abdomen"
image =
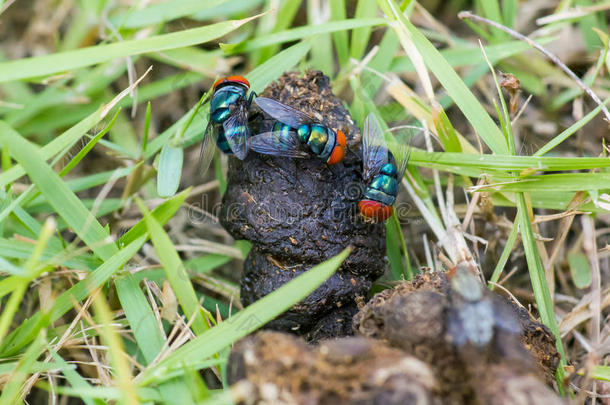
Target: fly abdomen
x,y
379,196
223,144
283,128
385,183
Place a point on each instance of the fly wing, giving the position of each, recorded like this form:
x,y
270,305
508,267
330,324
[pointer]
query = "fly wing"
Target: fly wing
x,y
283,113
237,132
374,149
208,146
402,147
277,143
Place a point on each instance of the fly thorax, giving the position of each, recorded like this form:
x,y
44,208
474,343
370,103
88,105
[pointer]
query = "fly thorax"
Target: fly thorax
x,y
317,140
389,169
330,143
222,100
303,132
220,115
465,283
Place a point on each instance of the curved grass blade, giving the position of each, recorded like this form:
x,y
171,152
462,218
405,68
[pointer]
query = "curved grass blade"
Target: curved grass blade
x,y
449,79
175,272
162,12
169,171
62,61
58,194
246,321
28,330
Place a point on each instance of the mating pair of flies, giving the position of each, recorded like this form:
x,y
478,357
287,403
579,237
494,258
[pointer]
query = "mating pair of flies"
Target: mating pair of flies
x,y
298,135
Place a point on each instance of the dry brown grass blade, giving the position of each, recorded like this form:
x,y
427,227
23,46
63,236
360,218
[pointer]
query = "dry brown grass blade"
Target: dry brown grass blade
x,y
589,245
582,312
552,57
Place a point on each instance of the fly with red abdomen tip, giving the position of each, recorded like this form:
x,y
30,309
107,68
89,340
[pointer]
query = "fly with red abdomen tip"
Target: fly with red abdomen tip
x,y
296,134
382,171
228,123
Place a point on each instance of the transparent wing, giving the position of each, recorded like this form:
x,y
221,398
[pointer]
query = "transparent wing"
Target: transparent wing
x,y
374,150
283,113
403,136
208,146
237,131
277,143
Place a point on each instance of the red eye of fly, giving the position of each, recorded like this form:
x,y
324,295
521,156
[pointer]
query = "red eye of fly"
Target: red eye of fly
x,y
238,79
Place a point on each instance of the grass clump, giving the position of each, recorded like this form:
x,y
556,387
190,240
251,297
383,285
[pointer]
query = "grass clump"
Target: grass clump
x,y
116,282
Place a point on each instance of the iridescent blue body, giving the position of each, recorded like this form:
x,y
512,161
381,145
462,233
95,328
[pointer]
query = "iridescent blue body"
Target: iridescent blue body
x,y
294,129
476,314
220,110
227,127
319,139
381,170
384,186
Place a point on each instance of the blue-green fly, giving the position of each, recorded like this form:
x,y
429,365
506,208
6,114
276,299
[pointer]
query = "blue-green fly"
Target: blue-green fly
x,y
228,124
476,313
296,134
382,170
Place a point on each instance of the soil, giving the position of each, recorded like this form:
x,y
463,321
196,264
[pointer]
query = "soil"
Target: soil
x,y
283,369
403,355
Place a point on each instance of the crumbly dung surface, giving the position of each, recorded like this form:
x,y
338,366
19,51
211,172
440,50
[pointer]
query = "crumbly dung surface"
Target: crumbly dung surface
x,y
300,212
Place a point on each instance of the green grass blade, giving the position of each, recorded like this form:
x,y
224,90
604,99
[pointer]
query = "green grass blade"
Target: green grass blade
x,y
601,373
147,333
27,331
57,193
264,74
169,171
11,391
63,61
446,160
396,249
175,272
83,152
360,36
73,377
162,12
162,213
554,182
322,57
118,358
508,248
149,337
538,280
580,270
570,131
274,22
453,84
295,34
340,38
247,320
461,56
62,142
